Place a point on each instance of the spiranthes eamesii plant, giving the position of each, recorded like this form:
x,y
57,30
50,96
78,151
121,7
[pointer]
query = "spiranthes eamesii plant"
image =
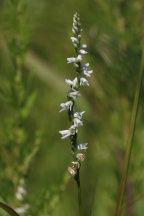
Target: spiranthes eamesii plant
x,y
82,72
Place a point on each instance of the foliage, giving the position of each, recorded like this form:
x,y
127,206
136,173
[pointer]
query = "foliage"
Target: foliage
x,y
38,40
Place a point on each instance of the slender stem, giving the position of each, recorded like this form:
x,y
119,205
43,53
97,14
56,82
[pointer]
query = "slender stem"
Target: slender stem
x,y
79,198
77,178
130,139
8,209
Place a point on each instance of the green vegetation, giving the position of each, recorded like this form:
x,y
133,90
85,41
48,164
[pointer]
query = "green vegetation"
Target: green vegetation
x,y
34,45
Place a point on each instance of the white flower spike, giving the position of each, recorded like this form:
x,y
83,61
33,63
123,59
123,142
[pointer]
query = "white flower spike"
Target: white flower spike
x,y
74,85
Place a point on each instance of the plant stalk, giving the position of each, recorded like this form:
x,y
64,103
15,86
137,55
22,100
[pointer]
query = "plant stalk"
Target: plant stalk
x,y
130,139
77,178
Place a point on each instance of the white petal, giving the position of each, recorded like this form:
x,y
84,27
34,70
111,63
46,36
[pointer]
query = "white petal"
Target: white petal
x,y
21,190
87,73
75,29
74,82
73,129
71,60
65,134
74,39
82,51
72,171
66,106
84,82
79,58
20,210
76,164
74,94
83,46
19,196
85,66
80,157
77,122
79,114
82,146
69,82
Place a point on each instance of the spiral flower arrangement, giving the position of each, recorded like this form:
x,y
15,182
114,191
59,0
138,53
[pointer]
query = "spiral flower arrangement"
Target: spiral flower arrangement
x,y
75,117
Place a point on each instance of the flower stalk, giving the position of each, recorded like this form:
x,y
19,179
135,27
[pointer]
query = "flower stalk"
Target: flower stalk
x,y
75,117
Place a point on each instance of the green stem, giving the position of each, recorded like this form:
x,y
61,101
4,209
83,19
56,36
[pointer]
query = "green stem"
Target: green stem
x,y
79,199
77,178
130,139
8,209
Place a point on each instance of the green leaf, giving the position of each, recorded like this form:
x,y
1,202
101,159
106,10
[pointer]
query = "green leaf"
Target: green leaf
x,y
30,100
8,209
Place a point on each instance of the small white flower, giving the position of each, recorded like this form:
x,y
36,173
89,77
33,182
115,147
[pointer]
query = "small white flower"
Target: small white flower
x,y
65,134
77,122
74,39
73,129
71,60
76,164
83,46
20,210
71,83
84,82
23,209
74,60
78,114
80,157
66,106
82,146
19,196
87,73
21,190
85,66
82,51
79,58
74,29
75,82
72,171
74,94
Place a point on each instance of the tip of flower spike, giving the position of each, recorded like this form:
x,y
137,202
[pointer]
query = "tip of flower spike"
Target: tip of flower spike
x,y
76,15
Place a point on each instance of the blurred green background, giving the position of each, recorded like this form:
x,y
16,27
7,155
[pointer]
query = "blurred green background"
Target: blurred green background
x,y
113,31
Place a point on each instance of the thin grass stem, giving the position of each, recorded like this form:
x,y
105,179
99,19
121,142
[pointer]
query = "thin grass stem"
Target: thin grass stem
x,y
130,139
